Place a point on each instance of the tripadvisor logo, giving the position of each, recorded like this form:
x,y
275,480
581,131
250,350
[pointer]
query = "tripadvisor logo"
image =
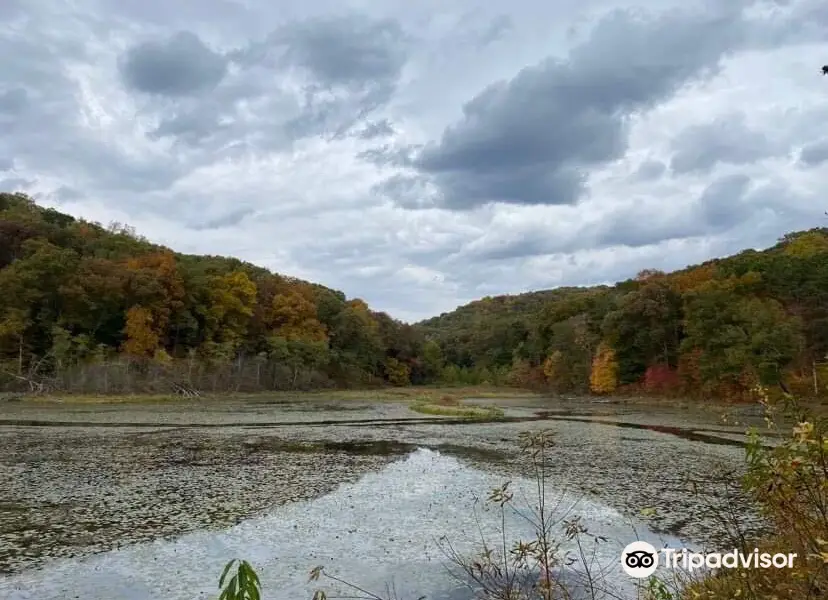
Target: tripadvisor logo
x,y
641,559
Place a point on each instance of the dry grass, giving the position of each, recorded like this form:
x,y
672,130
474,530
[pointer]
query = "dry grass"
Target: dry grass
x,y
447,396
104,398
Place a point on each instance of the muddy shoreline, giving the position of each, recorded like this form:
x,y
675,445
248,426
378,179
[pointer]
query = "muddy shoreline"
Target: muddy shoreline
x,y
76,480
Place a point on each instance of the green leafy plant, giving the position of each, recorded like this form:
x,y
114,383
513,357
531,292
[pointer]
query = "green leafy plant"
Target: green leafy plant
x,y
658,590
244,583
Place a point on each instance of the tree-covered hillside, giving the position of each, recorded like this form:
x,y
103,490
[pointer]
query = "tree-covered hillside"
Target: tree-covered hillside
x,y
87,308
713,329
94,309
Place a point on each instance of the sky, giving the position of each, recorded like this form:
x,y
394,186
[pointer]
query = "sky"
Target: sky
x,y
423,154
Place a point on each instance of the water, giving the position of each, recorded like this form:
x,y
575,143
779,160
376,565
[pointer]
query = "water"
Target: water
x,y
382,529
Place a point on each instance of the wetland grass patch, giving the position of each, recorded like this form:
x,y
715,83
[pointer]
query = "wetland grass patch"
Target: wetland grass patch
x,y
447,405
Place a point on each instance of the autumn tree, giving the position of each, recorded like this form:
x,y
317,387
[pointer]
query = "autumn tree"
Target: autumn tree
x,y
805,245
293,316
604,376
396,372
153,281
142,336
231,300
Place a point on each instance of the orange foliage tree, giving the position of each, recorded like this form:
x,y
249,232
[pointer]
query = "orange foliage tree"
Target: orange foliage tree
x,y
141,336
293,316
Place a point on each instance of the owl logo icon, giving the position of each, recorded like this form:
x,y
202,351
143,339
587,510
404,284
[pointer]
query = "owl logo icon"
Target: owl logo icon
x,y
639,560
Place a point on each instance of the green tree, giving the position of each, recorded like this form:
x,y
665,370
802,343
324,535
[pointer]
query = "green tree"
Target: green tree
x,y
356,338
433,359
645,329
733,334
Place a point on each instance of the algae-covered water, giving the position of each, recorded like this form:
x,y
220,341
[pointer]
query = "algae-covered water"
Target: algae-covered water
x,y
142,502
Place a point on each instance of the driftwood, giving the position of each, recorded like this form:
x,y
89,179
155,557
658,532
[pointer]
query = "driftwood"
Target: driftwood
x,y
185,390
35,387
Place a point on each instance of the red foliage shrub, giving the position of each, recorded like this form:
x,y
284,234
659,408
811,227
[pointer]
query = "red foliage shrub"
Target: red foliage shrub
x,y
661,379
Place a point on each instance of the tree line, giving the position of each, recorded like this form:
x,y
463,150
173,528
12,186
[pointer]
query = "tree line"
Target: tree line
x,y
717,329
92,309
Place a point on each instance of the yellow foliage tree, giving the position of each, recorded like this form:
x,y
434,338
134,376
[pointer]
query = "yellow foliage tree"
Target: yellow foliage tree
x,y
232,300
141,337
691,279
807,245
398,373
294,317
554,368
603,378
156,284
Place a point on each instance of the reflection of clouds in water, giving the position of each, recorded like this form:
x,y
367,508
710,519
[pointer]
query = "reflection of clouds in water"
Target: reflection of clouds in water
x,y
380,529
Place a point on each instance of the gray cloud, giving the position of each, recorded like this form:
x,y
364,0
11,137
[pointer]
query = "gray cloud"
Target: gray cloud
x,y
408,191
9,9
47,134
6,164
349,51
497,28
633,229
354,63
15,184
724,140
529,140
375,129
725,203
388,156
189,127
529,245
13,101
720,206
650,169
227,220
178,66
67,194
814,154
349,67
722,202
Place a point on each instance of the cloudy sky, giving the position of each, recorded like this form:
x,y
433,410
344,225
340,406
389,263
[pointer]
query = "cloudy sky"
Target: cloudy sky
x,y
423,154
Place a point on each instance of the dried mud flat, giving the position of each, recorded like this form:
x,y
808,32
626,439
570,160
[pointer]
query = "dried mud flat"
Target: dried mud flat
x,y
76,480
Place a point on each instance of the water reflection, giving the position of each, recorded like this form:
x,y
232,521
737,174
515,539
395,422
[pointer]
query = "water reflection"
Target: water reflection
x,y
383,528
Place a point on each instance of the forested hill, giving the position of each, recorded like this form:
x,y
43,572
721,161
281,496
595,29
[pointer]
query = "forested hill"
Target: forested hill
x,y
86,308
714,329
93,309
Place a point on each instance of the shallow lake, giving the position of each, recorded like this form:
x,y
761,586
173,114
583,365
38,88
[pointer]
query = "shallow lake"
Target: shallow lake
x,y
150,502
